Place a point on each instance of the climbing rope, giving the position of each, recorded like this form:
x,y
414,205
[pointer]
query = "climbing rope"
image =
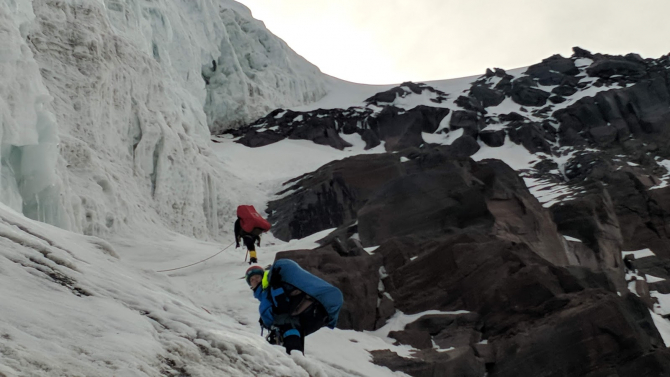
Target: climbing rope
x,y
193,264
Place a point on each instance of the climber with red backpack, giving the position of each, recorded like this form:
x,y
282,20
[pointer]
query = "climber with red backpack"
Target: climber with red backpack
x,y
248,227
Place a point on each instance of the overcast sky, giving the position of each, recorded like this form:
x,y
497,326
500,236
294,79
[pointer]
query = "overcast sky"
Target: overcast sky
x,y
390,41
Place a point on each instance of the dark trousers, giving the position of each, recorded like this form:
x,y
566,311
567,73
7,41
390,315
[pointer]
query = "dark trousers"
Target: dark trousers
x,y
307,322
249,241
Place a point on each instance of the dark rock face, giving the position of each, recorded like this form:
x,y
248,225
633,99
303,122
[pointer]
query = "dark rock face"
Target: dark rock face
x,y
614,115
592,218
331,196
450,199
519,217
457,235
428,194
583,349
484,275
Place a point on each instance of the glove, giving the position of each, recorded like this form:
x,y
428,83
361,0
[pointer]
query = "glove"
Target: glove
x,y
293,342
275,278
272,336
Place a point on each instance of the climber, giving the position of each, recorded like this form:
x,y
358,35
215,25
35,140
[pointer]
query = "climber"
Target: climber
x,y
293,303
248,227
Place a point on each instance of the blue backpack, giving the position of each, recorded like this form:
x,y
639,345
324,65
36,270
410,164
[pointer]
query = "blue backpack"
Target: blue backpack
x,y
320,290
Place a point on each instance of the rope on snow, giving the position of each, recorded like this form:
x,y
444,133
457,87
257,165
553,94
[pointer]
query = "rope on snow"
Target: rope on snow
x,y
193,264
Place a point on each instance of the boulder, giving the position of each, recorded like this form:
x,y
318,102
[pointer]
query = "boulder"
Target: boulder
x,y
524,93
531,135
556,99
434,324
564,90
457,337
512,117
554,63
583,115
460,362
579,52
467,120
415,338
320,131
486,96
401,129
492,138
469,103
604,135
616,66
465,146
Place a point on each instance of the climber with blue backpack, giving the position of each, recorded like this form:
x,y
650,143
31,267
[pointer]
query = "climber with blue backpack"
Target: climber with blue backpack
x,y
293,302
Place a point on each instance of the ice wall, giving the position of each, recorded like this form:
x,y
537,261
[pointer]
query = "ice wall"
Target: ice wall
x,y
28,130
107,107
220,54
132,141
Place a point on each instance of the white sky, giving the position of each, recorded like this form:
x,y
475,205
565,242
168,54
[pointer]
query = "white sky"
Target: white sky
x,y
390,41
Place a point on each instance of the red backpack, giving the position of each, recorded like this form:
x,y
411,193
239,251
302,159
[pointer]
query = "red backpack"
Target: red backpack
x,y
250,219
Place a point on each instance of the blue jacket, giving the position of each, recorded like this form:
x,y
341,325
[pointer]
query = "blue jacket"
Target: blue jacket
x,y
326,294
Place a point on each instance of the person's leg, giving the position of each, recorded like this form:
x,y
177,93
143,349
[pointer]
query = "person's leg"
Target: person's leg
x,y
312,319
289,332
249,243
292,339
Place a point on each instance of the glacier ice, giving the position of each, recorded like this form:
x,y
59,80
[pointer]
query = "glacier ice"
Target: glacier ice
x,y
107,108
29,138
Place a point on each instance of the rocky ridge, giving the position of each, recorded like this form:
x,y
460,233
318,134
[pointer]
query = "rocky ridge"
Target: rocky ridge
x,y
524,266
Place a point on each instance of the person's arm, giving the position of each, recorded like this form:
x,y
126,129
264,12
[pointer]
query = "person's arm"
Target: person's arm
x,y
265,310
280,298
238,230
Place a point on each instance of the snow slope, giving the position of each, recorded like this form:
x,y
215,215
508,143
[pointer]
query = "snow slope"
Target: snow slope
x,y
78,305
